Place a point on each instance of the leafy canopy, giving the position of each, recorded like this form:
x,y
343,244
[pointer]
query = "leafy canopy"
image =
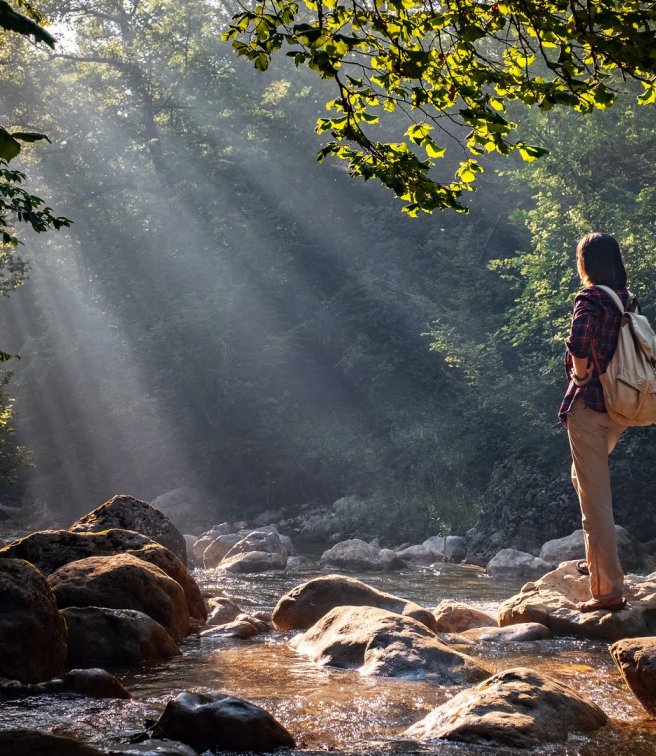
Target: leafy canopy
x,y
451,69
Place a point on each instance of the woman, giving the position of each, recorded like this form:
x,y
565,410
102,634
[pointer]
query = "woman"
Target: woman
x,y
592,434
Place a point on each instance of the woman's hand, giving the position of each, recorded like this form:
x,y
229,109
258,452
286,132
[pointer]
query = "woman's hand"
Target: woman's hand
x,y
581,372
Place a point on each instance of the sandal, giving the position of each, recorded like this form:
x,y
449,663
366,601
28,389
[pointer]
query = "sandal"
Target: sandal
x,y
607,605
582,567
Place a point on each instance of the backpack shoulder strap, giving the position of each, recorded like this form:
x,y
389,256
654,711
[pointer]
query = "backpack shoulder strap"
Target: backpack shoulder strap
x,y
613,296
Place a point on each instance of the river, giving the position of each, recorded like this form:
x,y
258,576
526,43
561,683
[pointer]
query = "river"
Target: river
x,y
337,710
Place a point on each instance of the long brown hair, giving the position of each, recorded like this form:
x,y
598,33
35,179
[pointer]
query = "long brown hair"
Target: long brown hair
x,y
599,261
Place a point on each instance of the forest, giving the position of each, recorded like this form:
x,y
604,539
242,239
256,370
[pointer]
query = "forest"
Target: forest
x,y
226,314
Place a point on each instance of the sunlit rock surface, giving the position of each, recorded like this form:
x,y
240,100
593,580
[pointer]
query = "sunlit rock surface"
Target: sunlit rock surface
x,y
379,642
454,617
222,610
259,551
306,603
123,582
636,660
94,683
573,547
50,549
435,549
216,549
32,632
510,563
355,554
129,513
552,601
33,743
100,635
518,707
523,633
242,627
221,722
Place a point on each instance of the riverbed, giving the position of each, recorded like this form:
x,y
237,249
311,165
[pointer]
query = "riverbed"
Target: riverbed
x,y
338,710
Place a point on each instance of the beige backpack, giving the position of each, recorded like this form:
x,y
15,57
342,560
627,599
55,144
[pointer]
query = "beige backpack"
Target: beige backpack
x,y
629,383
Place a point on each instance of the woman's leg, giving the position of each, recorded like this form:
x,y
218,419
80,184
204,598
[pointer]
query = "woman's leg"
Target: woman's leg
x,y
592,436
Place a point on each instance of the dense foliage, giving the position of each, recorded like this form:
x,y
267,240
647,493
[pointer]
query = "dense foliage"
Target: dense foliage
x,y
227,315
451,69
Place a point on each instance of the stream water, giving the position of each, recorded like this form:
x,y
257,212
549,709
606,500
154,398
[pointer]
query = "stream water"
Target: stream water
x,y
337,710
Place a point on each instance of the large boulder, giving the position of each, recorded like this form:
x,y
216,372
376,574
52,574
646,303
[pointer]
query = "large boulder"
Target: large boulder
x,y
636,660
454,617
188,508
379,642
222,610
217,548
523,633
128,513
572,547
359,555
510,563
435,549
552,601
221,723
123,581
304,605
115,637
205,538
32,632
259,551
517,708
51,549
93,683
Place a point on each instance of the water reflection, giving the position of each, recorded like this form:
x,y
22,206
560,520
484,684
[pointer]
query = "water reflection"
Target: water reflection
x,y
338,710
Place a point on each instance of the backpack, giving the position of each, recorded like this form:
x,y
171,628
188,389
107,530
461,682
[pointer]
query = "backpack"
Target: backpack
x,y
629,383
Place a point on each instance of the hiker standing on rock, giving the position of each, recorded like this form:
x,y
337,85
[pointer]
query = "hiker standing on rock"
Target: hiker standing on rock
x,y
592,433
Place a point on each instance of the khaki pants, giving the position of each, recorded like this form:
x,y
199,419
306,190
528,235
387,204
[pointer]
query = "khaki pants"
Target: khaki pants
x,y
592,437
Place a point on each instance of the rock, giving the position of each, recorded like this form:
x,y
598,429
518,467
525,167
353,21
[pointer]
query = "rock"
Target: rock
x,y
509,563
382,643
259,551
308,602
525,632
454,617
359,555
123,581
32,632
349,507
636,660
450,548
204,540
552,600
222,610
573,547
240,628
51,549
153,747
32,743
190,540
115,637
217,549
128,513
94,683
221,722
517,708
188,508
424,553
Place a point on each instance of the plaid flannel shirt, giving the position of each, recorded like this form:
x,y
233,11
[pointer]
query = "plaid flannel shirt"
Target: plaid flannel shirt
x,y
595,319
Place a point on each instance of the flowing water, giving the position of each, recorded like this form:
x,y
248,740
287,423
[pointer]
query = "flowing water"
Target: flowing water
x,y
338,710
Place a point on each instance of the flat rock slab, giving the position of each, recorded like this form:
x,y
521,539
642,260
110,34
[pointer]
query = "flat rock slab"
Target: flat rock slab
x,y
356,554
552,601
523,633
636,660
221,723
454,617
123,582
128,513
304,605
32,632
519,708
115,637
379,642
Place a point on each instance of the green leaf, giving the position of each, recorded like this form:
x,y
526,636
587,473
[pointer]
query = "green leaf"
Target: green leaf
x,y
9,147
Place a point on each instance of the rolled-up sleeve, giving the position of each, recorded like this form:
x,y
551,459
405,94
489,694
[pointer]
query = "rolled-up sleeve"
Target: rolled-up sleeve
x,y
584,325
